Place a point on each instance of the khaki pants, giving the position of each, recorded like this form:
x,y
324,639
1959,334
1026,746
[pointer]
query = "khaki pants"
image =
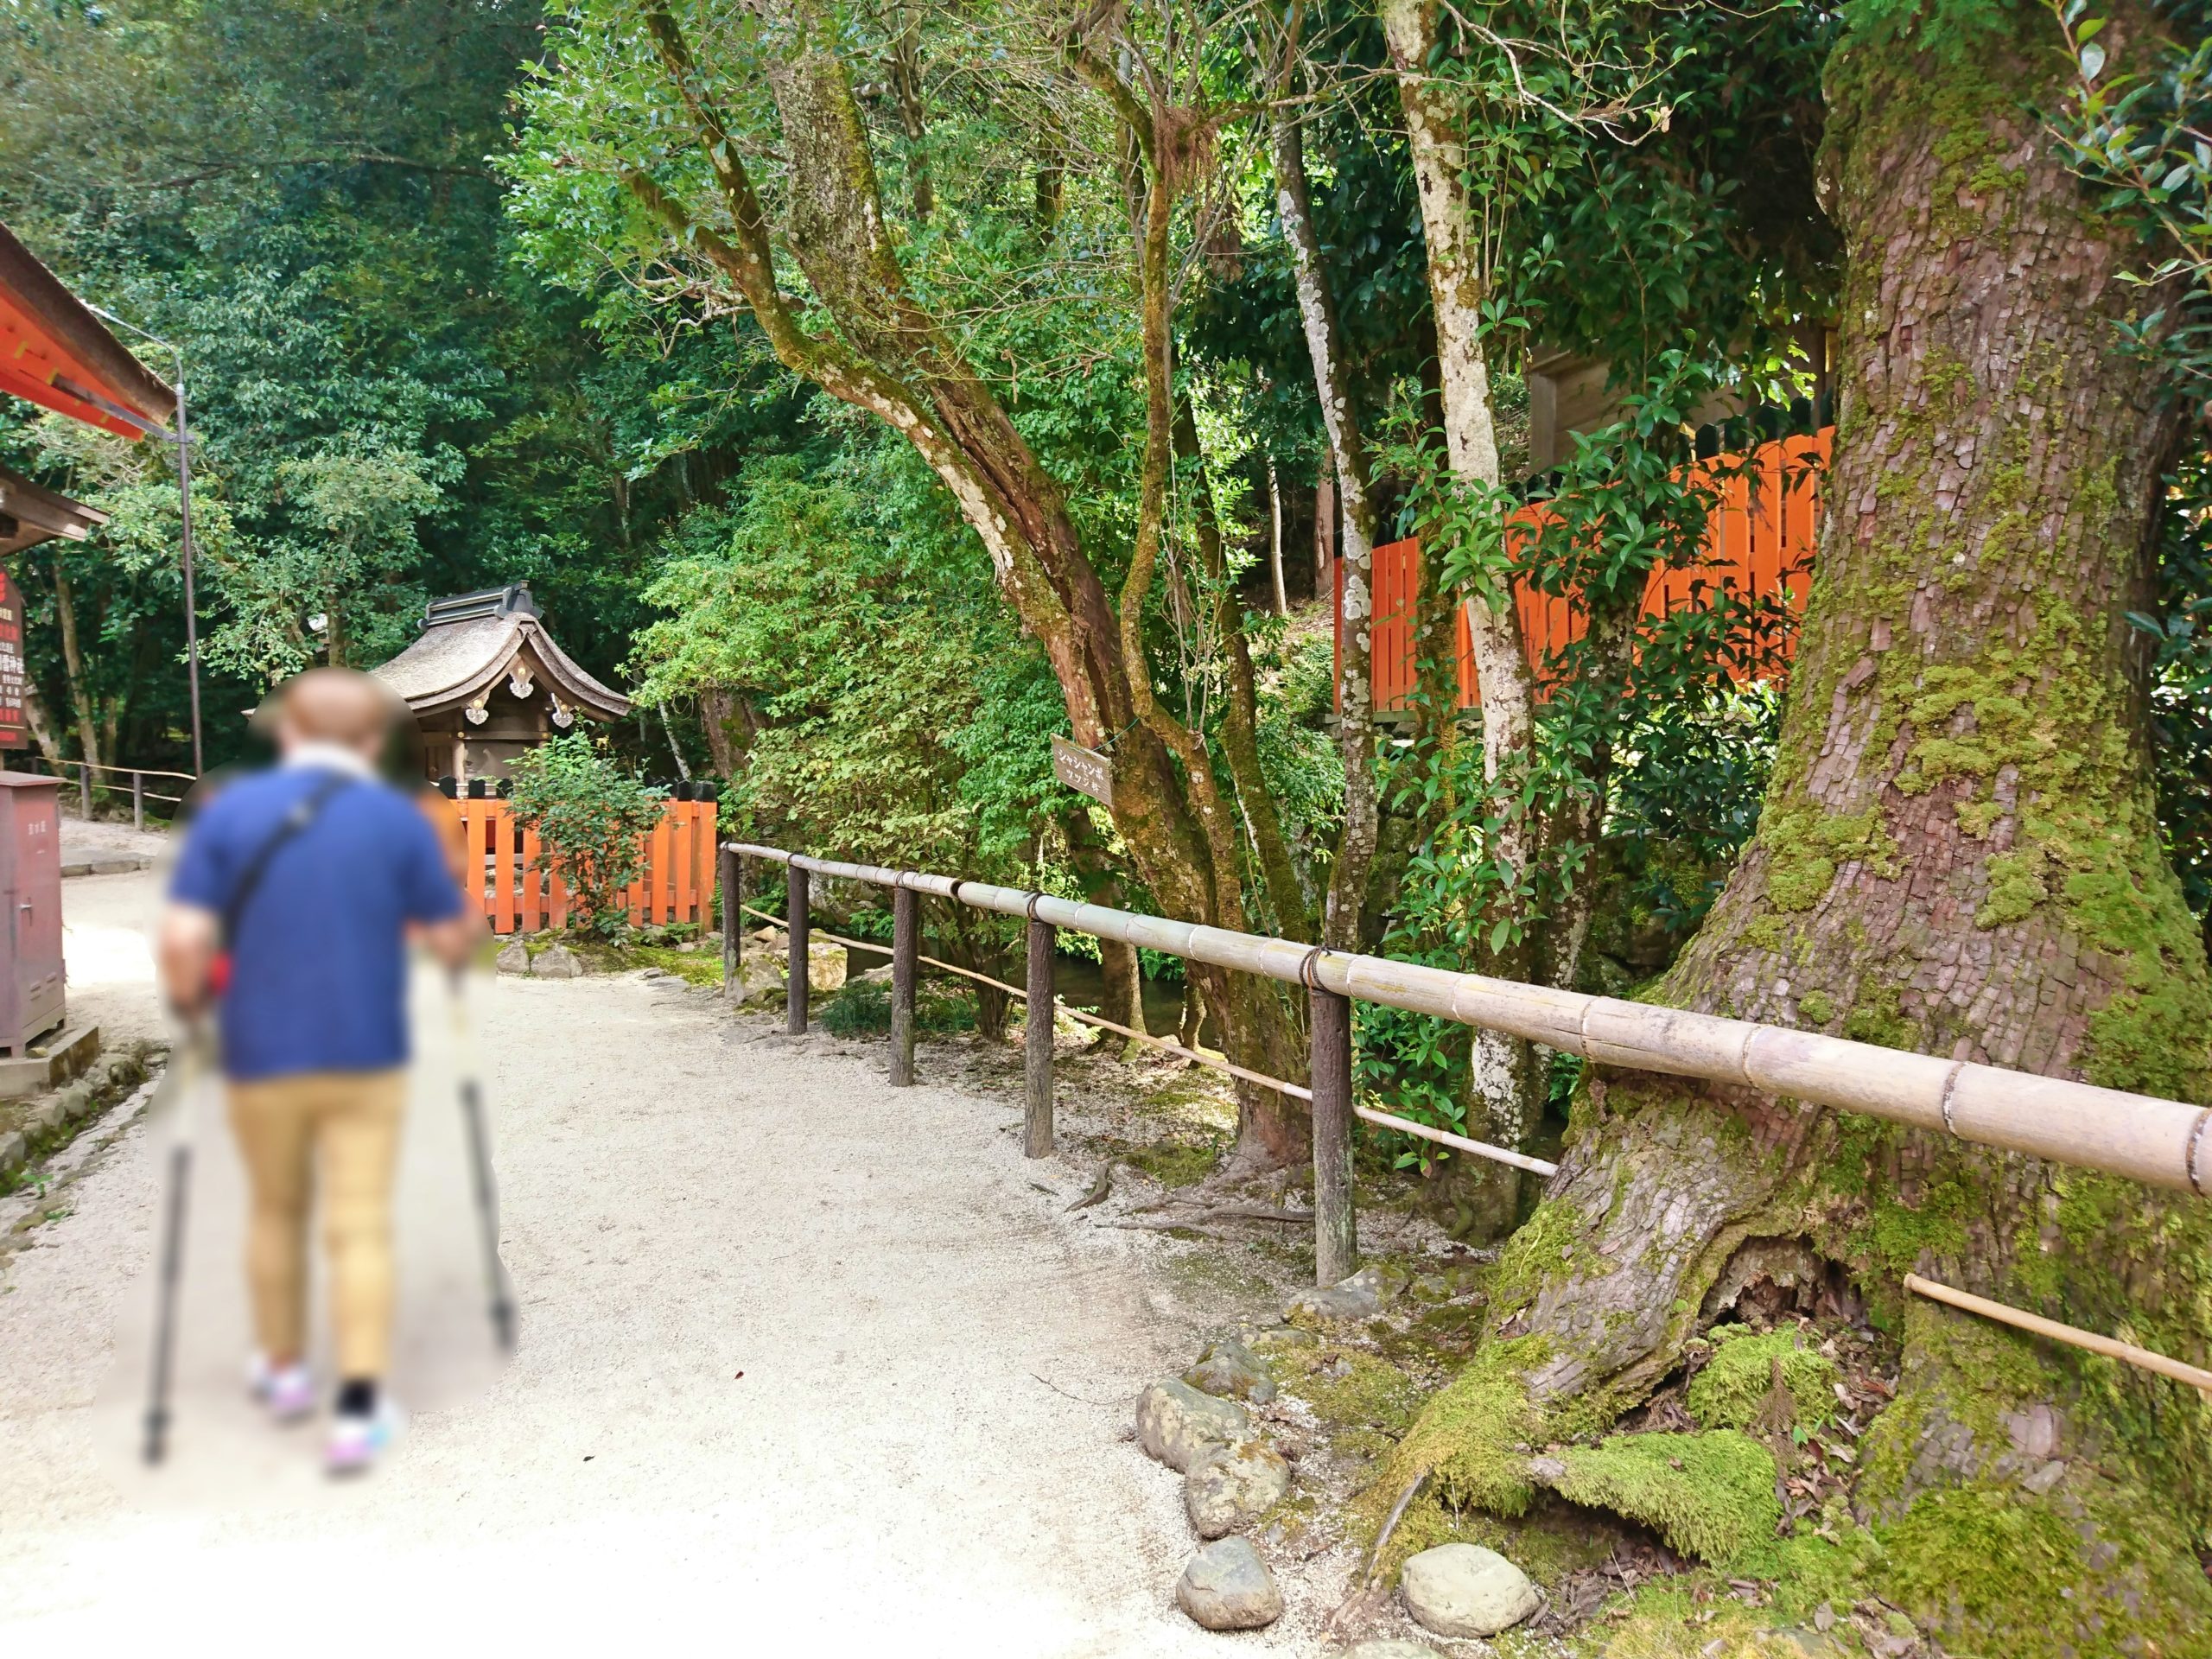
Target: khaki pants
x,y
338,1131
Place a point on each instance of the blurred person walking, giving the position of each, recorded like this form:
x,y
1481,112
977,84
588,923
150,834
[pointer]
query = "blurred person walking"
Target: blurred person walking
x,y
289,911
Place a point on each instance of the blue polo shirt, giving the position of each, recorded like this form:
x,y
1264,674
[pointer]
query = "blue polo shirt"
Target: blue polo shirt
x,y
318,962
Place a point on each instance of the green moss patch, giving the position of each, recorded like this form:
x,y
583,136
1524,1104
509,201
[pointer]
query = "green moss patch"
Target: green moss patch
x,y
1709,1495
1552,1540
1363,1402
1806,847
1474,1436
1174,1163
2014,1574
1731,1389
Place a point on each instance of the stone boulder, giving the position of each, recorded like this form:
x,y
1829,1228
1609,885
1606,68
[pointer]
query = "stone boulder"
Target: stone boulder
x,y
1179,1425
556,961
1363,1296
1228,1587
825,967
760,978
515,959
1231,1486
1233,1371
1465,1589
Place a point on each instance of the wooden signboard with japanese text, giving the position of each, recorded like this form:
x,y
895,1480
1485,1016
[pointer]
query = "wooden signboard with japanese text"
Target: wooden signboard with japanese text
x,y
15,732
1084,770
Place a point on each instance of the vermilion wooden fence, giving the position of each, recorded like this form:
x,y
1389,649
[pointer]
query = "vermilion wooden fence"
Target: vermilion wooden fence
x,y
520,895
1760,541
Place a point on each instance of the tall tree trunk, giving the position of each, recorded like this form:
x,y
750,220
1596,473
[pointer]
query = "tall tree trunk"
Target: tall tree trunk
x,y
721,716
1317,311
890,355
1958,854
1122,991
1275,539
906,84
1506,1083
41,724
1280,880
82,709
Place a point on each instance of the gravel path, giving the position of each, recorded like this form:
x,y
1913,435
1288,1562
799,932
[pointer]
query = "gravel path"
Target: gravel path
x,y
926,1452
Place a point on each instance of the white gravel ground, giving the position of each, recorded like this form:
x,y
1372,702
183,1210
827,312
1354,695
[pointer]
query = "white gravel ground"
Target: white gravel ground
x,y
926,1452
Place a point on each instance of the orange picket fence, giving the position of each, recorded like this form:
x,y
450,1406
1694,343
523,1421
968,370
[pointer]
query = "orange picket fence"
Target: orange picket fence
x,y
1759,542
520,895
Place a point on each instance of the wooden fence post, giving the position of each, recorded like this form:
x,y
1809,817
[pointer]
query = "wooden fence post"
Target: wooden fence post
x,y
137,800
905,948
85,789
1037,1044
798,933
1335,1249
733,878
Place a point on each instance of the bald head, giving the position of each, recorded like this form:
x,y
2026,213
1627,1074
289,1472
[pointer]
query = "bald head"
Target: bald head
x,y
336,705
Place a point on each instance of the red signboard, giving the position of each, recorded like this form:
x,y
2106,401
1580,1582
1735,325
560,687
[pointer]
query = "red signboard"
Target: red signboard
x,y
14,732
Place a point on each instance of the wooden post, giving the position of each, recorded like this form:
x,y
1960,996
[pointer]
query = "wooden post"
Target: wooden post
x,y
137,800
1335,1249
905,949
732,877
1036,1046
85,789
795,923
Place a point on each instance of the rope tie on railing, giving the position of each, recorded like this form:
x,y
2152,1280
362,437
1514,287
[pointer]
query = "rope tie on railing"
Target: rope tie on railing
x,y
1030,909
1307,963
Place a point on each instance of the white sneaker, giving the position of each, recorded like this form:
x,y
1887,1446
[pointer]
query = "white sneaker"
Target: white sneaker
x,y
357,1441
287,1392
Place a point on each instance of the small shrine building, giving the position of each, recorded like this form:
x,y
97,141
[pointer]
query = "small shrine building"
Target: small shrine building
x,y
486,681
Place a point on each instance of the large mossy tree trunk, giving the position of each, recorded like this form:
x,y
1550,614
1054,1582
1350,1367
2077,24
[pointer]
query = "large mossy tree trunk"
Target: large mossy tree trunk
x,y
1958,854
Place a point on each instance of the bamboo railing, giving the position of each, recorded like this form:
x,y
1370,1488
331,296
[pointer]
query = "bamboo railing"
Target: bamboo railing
x,y
2159,1142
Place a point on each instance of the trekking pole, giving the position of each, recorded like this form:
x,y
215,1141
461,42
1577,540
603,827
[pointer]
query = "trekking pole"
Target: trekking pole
x,y
194,1067
480,1153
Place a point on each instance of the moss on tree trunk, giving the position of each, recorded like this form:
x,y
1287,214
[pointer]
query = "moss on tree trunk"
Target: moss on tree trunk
x,y
1959,855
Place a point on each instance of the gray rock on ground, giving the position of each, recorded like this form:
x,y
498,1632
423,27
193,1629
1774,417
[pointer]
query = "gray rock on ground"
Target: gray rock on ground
x,y
1360,1297
556,962
515,959
1393,1647
1465,1589
1232,1371
758,978
1228,1587
1231,1486
825,967
1179,1425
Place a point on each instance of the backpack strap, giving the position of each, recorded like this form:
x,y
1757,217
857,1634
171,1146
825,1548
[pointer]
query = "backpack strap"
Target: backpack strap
x,y
301,813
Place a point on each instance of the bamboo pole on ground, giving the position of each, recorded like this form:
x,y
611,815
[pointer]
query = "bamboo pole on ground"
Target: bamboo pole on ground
x,y
2021,1319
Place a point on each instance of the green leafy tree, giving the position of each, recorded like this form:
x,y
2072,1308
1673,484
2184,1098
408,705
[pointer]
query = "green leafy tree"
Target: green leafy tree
x,y
590,816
